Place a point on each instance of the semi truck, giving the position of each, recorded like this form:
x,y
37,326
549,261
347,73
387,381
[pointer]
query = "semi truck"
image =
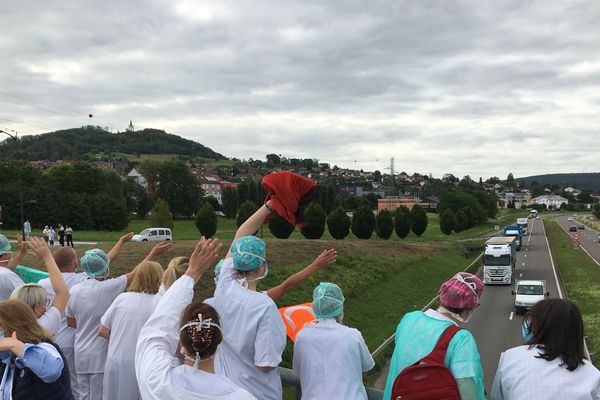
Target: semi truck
x,y
533,214
522,222
499,259
516,232
527,293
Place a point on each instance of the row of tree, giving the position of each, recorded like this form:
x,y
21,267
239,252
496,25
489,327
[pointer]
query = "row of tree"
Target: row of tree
x,y
462,208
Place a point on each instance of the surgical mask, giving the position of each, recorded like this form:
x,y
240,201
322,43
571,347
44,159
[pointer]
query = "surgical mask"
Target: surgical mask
x,y
7,261
1,334
526,332
456,316
199,326
244,281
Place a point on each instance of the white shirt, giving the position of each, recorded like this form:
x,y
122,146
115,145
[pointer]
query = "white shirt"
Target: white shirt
x,y
125,318
88,301
9,281
50,320
160,377
329,359
65,337
523,376
255,336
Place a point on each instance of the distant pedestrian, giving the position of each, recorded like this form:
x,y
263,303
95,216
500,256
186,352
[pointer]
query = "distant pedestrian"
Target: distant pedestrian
x,y
27,229
61,235
69,235
45,233
51,236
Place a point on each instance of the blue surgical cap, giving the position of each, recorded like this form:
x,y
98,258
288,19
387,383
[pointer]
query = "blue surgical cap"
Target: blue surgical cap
x,y
328,300
4,245
248,253
94,262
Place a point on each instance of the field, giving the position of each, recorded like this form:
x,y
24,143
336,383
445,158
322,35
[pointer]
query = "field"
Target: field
x,y
581,277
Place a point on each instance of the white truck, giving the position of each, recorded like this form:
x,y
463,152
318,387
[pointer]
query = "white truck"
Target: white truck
x,y
499,258
527,293
522,222
533,214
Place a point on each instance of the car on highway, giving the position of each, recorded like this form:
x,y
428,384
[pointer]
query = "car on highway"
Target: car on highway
x,y
572,228
569,218
581,227
527,293
153,234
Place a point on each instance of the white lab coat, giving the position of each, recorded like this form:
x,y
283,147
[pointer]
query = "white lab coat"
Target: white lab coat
x,y
521,375
160,377
88,301
329,359
125,318
254,336
9,281
50,320
65,338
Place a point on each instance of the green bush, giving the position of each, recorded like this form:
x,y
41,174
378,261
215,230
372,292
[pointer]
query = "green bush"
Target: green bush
x,y
363,222
110,214
461,221
280,228
385,224
596,211
338,223
246,210
402,221
213,202
418,220
206,220
161,216
315,221
447,221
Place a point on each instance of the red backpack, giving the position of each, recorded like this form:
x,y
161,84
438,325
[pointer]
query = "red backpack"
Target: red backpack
x,y
428,378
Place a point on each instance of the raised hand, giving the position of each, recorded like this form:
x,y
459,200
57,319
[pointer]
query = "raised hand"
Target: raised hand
x,y
12,344
21,244
326,258
204,256
39,248
126,238
161,248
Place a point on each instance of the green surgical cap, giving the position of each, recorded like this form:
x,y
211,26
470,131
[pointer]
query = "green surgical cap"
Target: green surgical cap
x,y
4,245
328,300
94,262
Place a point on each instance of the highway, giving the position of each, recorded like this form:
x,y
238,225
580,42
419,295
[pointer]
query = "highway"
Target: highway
x,y
494,325
588,237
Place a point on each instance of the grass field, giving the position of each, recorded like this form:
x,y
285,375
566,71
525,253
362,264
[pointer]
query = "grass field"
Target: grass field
x,y
581,277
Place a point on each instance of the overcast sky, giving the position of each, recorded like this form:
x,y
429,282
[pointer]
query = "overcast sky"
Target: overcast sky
x,y
466,87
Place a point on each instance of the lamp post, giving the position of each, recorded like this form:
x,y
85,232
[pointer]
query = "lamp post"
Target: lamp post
x,y
16,138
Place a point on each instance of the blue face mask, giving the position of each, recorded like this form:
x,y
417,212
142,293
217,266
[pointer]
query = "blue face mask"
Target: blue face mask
x,y
526,332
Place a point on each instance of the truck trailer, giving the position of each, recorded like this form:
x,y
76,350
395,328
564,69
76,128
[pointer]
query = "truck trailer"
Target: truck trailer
x,y
523,222
499,259
516,232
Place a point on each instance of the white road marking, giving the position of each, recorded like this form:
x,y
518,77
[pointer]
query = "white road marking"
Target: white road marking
x,y
521,275
525,256
523,264
511,315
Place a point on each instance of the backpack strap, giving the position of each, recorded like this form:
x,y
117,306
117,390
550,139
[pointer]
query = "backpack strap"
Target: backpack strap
x,y
438,354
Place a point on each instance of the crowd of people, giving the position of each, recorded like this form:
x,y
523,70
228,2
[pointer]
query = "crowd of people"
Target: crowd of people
x,y
86,336
50,232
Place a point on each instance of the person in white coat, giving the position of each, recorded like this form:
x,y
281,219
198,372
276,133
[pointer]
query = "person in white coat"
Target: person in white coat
x,y
49,315
551,365
121,325
250,320
197,327
330,358
9,281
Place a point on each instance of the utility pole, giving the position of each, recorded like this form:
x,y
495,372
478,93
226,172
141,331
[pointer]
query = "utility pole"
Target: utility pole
x,y
16,138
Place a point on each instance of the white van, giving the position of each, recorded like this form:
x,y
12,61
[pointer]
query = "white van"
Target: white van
x,y
527,293
158,234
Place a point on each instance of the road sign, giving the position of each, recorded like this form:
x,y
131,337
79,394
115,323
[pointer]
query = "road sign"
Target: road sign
x,y
576,236
576,243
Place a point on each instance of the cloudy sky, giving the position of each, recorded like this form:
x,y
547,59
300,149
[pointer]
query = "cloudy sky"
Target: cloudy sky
x,y
466,87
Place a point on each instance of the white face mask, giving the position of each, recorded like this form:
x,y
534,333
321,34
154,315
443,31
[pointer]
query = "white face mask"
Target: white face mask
x,y
4,263
455,316
244,281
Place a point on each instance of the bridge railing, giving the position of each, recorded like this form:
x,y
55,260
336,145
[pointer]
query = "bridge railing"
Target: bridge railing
x,y
289,378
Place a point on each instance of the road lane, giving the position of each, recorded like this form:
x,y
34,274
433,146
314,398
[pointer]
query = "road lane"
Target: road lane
x,y
588,237
491,324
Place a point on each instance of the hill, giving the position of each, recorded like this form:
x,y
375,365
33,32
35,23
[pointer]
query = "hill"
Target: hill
x,y
582,181
78,143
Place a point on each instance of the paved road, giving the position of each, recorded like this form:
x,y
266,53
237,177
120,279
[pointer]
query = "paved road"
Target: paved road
x,y
589,237
495,326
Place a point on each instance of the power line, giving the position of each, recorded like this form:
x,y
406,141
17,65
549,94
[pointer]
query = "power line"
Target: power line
x,y
23,123
71,112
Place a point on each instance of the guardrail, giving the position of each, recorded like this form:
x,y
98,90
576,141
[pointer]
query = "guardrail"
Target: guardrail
x,y
289,378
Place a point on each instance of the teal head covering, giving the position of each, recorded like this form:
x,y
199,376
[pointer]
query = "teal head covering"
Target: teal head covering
x,y
4,245
248,253
328,300
94,262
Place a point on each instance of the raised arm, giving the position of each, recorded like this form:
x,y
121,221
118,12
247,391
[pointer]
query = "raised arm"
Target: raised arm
x,y
41,251
157,250
116,249
323,260
253,223
17,258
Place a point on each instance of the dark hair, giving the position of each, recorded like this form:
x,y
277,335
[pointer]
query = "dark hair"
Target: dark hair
x,y
557,328
205,341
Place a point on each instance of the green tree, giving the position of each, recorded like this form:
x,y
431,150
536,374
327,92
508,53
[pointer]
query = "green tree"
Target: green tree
x,y
110,214
212,200
315,221
385,224
447,221
418,220
245,211
461,221
596,211
338,223
402,221
230,200
363,222
178,187
350,202
206,220
161,216
280,228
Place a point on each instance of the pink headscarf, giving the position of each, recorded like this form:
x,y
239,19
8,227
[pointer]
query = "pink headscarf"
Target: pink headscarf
x,y
462,291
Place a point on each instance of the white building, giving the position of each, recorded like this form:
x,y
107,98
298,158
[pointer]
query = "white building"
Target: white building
x,y
210,184
550,200
135,175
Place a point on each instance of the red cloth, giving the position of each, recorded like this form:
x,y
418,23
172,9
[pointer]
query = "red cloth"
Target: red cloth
x,y
287,192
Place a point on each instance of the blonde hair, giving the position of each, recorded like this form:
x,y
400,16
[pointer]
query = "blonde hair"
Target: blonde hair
x,y
147,278
16,316
174,271
30,294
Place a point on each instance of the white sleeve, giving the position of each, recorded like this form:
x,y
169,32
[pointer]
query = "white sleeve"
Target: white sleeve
x,y
107,318
297,357
153,358
270,339
51,320
366,360
70,311
228,273
15,280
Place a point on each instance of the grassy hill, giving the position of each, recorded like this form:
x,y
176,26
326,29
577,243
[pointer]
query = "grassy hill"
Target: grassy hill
x,y
582,181
75,144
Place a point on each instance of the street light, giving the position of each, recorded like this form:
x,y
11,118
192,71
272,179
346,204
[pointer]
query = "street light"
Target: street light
x,y
16,138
